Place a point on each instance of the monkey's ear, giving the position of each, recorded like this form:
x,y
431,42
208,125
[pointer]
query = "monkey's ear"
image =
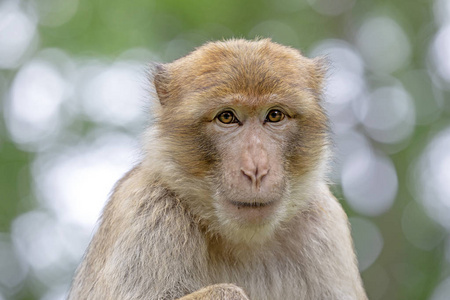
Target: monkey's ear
x,y
321,64
161,82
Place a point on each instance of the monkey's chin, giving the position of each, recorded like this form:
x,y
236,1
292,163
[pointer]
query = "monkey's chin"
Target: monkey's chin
x,y
245,222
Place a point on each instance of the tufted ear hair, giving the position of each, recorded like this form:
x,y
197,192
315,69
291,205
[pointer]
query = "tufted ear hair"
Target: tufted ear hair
x,y
161,81
321,64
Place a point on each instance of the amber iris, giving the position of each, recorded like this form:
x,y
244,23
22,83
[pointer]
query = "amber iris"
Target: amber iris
x,y
227,117
274,116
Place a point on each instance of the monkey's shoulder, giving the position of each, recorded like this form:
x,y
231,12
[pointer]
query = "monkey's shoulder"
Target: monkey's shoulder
x,y
144,212
139,191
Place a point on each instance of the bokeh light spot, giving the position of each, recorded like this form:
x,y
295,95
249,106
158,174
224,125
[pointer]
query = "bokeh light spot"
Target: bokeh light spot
x,y
433,176
368,241
54,13
388,114
369,182
383,44
35,98
17,30
440,50
442,291
114,94
13,270
76,184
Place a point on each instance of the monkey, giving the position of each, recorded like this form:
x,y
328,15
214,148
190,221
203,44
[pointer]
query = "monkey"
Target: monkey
x,y
231,199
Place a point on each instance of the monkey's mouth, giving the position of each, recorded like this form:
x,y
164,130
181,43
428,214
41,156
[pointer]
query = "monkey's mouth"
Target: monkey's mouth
x,y
253,212
255,204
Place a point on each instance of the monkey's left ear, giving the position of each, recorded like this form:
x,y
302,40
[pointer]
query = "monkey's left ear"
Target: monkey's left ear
x,y
321,67
161,82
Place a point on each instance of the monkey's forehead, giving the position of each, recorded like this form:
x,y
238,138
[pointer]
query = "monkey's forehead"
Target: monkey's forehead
x,y
244,49
245,65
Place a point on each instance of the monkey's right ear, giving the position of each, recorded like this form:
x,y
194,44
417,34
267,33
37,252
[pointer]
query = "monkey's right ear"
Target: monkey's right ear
x,y
161,81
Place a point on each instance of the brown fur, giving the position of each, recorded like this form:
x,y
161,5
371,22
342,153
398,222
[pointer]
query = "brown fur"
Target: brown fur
x,y
172,227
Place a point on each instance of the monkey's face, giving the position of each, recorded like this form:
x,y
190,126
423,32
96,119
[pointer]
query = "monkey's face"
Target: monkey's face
x,y
245,133
250,141
263,153
246,161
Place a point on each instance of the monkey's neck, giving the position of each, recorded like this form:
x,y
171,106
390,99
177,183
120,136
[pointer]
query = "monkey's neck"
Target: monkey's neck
x,y
283,243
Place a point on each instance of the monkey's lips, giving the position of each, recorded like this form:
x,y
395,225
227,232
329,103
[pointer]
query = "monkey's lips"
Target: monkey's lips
x,y
251,211
251,204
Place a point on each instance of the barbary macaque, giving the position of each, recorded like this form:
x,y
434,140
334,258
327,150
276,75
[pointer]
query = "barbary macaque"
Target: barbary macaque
x,y
231,199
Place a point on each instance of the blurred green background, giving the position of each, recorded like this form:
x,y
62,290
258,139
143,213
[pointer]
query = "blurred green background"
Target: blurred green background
x,y
74,102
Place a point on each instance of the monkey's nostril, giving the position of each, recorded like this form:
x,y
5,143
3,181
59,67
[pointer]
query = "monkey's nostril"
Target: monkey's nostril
x,y
262,173
255,176
249,175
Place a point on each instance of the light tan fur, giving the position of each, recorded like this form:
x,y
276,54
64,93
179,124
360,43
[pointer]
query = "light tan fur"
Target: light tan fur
x,y
227,211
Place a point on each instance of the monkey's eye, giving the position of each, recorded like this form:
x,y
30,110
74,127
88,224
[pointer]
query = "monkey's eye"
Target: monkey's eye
x,y
227,117
275,116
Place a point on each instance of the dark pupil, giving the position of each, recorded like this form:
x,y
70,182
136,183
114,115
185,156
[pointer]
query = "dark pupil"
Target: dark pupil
x,y
274,114
226,117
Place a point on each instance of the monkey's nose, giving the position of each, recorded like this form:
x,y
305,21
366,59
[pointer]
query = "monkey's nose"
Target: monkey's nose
x,y
255,175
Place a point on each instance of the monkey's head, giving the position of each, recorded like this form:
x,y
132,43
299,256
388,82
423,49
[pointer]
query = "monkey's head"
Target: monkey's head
x,y
240,135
